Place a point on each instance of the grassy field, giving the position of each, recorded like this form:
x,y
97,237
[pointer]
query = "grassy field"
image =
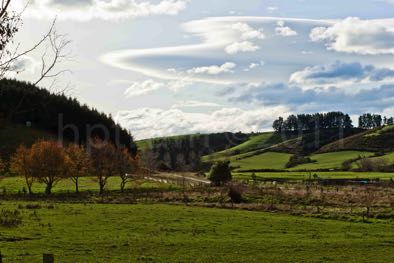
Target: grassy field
x,y
330,160
306,175
13,185
163,233
268,160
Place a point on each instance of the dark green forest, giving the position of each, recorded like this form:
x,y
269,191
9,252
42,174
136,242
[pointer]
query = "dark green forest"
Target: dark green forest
x,y
63,116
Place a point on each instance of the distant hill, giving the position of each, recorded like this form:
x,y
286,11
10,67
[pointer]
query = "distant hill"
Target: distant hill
x,y
184,152
255,143
48,114
310,141
377,140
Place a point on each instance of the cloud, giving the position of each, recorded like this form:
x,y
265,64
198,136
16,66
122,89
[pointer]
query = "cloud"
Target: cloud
x,y
213,70
340,73
272,9
141,88
248,32
211,41
178,85
353,35
23,65
283,30
151,122
297,99
195,104
84,10
238,47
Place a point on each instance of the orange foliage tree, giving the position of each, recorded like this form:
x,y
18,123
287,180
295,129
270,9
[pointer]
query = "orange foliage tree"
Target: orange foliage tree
x,y
79,163
125,165
49,163
21,164
103,155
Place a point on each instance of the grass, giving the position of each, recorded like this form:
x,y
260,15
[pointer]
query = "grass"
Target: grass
x,y
268,160
15,184
306,175
330,160
163,233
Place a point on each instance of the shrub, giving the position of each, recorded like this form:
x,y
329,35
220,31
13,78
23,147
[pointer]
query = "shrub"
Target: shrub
x,y
9,218
297,160
347,165
235,193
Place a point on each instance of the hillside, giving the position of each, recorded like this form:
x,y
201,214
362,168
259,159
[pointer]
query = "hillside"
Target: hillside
x,y
253,146
310,142
211,142
377,140
13,134
52,114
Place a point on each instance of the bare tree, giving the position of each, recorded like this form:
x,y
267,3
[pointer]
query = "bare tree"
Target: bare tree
x,y
55,46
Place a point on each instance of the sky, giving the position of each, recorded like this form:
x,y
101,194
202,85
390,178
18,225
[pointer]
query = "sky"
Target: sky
x,y
169,67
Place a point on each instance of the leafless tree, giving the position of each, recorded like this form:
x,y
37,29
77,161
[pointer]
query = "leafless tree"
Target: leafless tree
x,y
54,44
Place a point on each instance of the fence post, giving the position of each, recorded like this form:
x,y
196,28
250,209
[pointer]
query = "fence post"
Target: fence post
x,y
48,258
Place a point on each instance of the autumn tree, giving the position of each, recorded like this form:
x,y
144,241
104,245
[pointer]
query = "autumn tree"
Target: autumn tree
x,y
103,155
21,164
49,163
124,165
79,163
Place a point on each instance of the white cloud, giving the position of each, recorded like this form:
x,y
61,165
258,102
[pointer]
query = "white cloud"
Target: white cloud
x,y
272,8
238,47
214,69
340,73
194,104
83,10
178,85
254,65
353,35
212,36
248,32
283,30
141,88
149,122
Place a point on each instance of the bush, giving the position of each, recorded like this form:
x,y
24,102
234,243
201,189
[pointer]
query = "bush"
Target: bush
x,y
297,160
220,173
9,218
375,165
347,165
235,193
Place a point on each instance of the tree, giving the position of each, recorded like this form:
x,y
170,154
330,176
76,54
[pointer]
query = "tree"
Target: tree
x,y
80,163
2,166
220,173
49,163
103,156
10,23
278,124
125,165
21,165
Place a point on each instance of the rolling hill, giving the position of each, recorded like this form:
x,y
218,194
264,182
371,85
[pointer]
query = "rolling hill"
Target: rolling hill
x,y
376,140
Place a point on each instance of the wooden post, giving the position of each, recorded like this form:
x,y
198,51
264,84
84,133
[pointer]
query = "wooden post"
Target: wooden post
x,y
48,258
